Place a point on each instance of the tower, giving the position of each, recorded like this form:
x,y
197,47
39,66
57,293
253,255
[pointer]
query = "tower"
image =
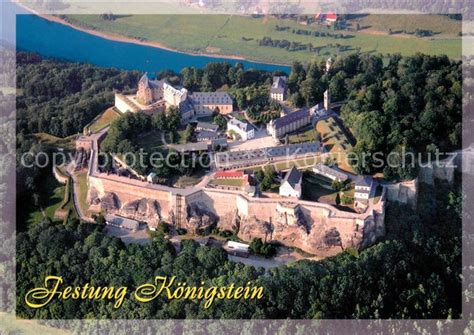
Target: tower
x,y
327,100
329,62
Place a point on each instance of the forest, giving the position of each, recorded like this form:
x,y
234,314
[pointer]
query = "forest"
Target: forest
x,y
413,273
394,105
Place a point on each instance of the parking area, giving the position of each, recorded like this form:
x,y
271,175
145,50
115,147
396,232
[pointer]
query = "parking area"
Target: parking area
x,y
139,236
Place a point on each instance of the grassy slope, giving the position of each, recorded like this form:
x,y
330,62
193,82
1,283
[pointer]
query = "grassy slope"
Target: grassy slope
x,y
223,34
104,119
442,26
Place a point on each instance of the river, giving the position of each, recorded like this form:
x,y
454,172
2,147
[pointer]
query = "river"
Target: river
x,y
56,40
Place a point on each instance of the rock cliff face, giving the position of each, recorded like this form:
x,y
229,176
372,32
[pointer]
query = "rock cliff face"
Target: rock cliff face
x,y
199,217
315,228
291,226
141,209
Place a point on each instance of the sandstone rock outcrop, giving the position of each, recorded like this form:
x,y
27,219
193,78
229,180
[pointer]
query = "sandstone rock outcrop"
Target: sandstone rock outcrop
x,y
199,217
110,202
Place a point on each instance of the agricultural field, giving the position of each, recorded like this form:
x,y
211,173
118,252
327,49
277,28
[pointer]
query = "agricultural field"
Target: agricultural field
x,y
240,35
11,324
442,26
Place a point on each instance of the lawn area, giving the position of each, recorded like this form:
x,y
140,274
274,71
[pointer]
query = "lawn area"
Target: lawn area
x,y
306,136
336,141
151,141
240,35
226,182
104,119
188,181
82,186
318,188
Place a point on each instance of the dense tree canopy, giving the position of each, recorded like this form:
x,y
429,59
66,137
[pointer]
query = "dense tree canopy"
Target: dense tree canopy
x,y
60,98
414,273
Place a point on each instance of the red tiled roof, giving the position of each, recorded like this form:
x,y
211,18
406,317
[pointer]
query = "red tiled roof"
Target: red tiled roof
x,y
331,16
229,174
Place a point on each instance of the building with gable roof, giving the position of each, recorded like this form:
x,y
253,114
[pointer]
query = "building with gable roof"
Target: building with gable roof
x,y
288,123
279,88
291,184
241,128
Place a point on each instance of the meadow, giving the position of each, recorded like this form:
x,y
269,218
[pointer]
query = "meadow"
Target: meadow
x,y
240,35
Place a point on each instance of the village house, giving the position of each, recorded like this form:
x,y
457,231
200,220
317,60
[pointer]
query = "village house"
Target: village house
x,y
291,184
241,128
278,91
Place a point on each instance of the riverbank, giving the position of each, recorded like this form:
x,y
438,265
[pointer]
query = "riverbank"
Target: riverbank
x,y
125,39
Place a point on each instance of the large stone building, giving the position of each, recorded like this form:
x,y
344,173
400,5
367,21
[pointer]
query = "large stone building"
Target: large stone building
x,y
244,158
174,96
289,123
278,91
205,103
155,95
149,90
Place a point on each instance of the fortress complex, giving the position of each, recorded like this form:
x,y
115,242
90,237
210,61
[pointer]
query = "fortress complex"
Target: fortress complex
x,y
312,226
155,95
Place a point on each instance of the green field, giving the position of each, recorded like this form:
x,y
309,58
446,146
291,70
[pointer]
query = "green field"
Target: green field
x,y
12,324
238,35
305,136
226,182
442,26
318,188
82,190
151,141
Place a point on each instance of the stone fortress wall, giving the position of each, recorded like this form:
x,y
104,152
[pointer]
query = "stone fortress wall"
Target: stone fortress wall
x,y
310,226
